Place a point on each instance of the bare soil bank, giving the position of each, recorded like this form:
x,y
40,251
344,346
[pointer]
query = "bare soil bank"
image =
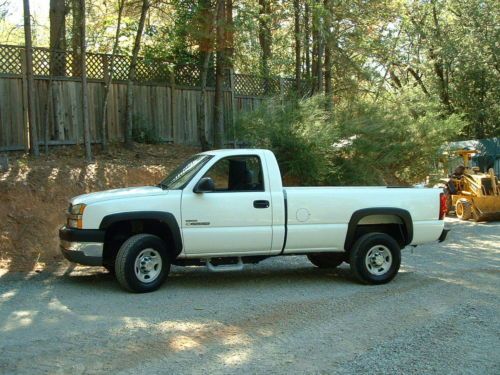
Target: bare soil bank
x,y
34,194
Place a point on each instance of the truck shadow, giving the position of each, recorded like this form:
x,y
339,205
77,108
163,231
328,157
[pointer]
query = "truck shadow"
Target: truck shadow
x,y
182,278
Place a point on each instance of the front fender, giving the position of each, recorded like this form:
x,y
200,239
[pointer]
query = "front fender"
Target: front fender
x,y
165,218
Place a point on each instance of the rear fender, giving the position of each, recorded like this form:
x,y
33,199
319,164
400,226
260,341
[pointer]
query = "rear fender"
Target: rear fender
x,y
403,215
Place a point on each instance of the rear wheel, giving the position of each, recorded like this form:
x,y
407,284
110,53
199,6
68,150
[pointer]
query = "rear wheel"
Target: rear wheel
x,y
375,258
463,209
331,260
142,263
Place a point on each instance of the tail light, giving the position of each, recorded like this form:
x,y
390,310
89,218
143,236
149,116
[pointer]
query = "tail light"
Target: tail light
x,y
443,207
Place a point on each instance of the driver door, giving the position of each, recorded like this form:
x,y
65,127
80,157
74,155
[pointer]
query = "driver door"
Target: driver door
x,y
234,217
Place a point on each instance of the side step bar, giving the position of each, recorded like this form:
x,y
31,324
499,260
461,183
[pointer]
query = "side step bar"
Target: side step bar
x,y
225,267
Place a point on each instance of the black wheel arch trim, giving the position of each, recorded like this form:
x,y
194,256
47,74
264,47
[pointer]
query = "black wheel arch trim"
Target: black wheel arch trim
x,y
356,217
163,217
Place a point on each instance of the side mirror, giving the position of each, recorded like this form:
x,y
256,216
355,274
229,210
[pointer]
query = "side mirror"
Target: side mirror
x,y
205,185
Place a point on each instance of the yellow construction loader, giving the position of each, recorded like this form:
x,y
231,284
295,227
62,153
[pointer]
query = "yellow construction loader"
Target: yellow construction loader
x,y
471,193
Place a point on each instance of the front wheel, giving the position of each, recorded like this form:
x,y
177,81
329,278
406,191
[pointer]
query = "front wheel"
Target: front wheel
x,y
142,263
375,258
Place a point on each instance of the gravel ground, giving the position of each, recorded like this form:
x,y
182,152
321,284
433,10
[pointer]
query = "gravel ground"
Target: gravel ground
x,y
441,315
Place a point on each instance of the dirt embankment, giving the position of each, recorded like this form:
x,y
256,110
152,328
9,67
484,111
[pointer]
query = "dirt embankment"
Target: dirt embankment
x,y
34,194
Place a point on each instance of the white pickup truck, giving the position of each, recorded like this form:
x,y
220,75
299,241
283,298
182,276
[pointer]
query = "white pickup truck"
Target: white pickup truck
x,y
226,208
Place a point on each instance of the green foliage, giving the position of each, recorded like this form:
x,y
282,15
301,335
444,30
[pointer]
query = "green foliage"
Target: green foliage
x,y
297,131
142,132
390,141
360,143
181,32
381,51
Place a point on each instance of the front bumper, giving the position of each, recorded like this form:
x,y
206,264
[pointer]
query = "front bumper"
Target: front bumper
x,y
84,246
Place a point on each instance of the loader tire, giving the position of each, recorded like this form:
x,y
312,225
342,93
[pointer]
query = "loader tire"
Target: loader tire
x,y
463,209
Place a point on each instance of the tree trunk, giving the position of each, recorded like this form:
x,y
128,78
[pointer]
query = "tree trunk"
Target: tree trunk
x,y
307,39
229,38
439,65
107,85
57,15
85,102
315,49
131,74
202,115
328,55
265,40
418,79
76,37
33,136
219,76
318,47
296,10
206,44
328,77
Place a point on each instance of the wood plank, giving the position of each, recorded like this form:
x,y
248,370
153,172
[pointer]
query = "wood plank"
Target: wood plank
x,y
169,111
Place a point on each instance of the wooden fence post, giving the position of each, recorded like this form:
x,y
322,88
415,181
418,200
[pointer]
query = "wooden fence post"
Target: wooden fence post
x,y
172,103
105,68
33,132
25,100
233,105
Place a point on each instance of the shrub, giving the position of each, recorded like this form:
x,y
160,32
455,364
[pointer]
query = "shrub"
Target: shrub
x,y
143,132
298,132
394,141
391,142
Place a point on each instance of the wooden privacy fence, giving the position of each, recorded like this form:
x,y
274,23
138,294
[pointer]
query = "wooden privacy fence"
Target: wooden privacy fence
x,y
166,98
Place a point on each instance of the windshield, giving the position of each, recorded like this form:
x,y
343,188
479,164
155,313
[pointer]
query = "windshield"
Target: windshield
x,y
180,176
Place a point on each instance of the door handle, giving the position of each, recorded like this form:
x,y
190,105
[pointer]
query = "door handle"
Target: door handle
x,y
261,204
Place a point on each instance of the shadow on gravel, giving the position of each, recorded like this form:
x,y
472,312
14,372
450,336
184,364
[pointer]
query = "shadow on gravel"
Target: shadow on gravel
x,y
201,279
205,320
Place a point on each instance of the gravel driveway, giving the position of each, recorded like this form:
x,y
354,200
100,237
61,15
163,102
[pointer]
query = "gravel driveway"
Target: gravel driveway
x,y
441,315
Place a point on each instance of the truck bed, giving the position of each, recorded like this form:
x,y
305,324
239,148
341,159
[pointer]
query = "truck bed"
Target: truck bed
x,y
323,213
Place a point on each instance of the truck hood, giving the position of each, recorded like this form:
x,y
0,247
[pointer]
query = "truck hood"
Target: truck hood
x,y
106,195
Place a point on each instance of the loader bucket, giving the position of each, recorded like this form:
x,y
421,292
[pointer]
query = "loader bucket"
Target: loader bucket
x,y
487,207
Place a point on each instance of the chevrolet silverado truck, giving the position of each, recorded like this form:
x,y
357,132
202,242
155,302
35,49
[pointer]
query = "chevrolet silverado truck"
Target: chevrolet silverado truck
x,y
226,208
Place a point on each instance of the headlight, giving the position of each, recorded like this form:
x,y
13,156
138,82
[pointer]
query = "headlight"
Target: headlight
x,y
75,215
77,209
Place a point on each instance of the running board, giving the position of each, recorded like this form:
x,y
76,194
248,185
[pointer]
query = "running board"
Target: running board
x,y
225,267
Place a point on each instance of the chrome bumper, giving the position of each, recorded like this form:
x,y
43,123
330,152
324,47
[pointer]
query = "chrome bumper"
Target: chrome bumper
x,y
82,246
88,253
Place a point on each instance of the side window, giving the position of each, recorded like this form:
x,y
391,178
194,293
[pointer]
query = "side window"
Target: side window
x,y
219,173
241,173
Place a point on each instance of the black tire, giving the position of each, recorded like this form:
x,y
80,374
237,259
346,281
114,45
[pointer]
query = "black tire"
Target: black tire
x,y
371,248
463,209
327,260
125,263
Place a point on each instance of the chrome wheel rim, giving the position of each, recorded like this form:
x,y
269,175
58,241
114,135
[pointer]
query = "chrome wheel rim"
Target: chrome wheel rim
x,y
378,260
148,265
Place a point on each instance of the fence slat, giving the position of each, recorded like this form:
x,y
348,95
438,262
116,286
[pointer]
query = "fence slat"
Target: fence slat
x,y
166,97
